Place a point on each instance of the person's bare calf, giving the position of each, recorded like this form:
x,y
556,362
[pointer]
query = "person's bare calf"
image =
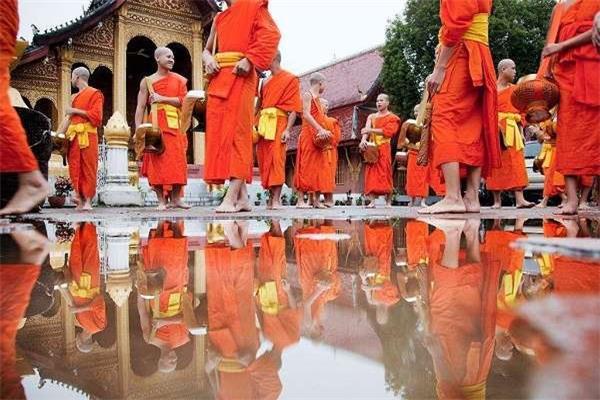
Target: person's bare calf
x,y
521,201
176,199
243,203
33,189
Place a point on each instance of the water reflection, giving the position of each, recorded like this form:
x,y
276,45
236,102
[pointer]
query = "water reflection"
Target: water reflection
x,y
275,309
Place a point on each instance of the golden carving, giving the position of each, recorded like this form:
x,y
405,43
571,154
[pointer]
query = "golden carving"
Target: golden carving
x,y
116,131
118,287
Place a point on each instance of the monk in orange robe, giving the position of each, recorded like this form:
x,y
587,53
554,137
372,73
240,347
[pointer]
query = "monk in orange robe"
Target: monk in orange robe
x,y
83,293
554,182
166,275
312,162
232,332
464,120
417,176
17,279
317,262
278,309
462,306
15,154
378,286
333,126
380,128
245,39
280,104
416,233
166,172
512,175
574,65
84,117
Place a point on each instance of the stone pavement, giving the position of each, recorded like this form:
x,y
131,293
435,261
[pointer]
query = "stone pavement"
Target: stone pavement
x,y
208,213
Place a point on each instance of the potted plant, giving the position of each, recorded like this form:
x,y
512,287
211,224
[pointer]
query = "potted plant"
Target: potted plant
x,y
62,188
349,198
395,198
258,199
294,199
359,201
367,201
284,200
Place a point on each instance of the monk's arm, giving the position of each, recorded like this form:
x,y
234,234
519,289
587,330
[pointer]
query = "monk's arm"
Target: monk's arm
x,y
576,41
291,120
94,113
173,101
306,103
265,40
141,104
435,80
210,65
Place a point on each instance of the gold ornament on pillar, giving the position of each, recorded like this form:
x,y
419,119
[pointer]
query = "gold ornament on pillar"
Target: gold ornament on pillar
x,y
116,131
119,287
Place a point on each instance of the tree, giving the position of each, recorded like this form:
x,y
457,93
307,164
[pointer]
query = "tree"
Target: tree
x,y
517,31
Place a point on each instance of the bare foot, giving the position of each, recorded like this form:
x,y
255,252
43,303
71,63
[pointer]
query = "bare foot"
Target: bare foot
x,y
541,205
496,207
320,206
567,209
388,205
243,207
181,204
87,206
445,225
161,207
526,204
445,206
571,225
33,245
33,188
303,206
472,205
371,205
328,205
584,206
276,206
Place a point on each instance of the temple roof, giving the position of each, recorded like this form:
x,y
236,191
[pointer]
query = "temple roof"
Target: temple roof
x,y
96,12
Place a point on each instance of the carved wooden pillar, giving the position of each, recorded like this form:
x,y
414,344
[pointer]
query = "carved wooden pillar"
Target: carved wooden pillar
x,y
65,61
197,67
120,63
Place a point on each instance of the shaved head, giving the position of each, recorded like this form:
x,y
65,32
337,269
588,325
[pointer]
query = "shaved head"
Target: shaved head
x,y
316,78
384,97
161,51
506,63
416,110
383,102
82,72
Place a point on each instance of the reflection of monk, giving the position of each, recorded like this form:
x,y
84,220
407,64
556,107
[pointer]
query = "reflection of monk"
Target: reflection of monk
x,y
165,259
462,311
377,284
84,295
317,266
232,366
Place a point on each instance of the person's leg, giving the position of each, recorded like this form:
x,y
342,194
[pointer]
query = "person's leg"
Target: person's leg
x,y
160,195
471,198
452,201
243,203
520,200
275,198
177,197
301,201
497,199
572,203
585,197
543,203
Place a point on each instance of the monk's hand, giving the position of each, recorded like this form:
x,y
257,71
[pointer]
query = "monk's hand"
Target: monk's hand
x,y
211,66
363,144
284,136
435,80
156,98
596,31
552,49
243,67
365,131
70,111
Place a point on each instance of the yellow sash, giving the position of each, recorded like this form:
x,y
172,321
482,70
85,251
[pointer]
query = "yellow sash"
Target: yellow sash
x,y
228,58
81,130
546,153
83,288
478,31
511,287
173,308
545,263
172,114
267,295
512,135
267,123
379,139
474,392
231,365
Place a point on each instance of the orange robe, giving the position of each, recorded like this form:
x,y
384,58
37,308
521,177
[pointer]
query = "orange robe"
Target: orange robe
x,y
281,324
435,181
83,162
416,233
312,162
464,122
170,253
378,176
512,175
282,91
170,167
231,314
576,72
416,176
245,27
332,125
379,242
84,265
462,322
15,154
317,260
16,283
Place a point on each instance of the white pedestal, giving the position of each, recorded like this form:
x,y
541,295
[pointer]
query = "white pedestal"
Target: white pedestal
x,y
117,191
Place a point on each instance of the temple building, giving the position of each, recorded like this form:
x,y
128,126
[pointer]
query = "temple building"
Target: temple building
x,y
353,84
115,40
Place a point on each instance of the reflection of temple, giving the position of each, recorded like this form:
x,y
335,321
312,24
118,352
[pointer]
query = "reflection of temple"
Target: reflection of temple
x,y
48,341
115,40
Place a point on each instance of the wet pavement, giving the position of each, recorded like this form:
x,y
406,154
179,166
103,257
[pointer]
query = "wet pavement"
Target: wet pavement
x,y
125,305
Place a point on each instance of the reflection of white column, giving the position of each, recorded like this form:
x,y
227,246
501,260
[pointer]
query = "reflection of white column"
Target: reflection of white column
x,y
116,261
118,191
